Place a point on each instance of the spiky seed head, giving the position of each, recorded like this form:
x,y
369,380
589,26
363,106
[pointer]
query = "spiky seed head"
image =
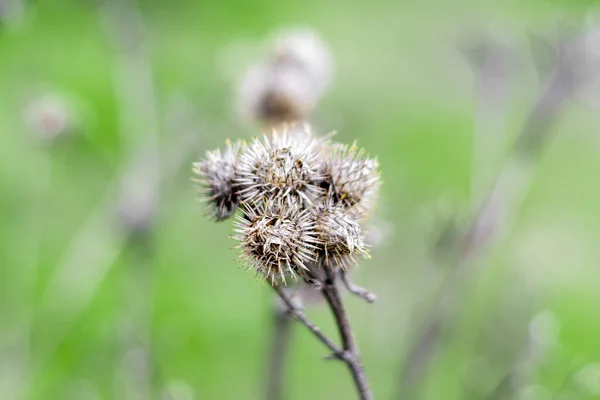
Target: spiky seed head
x,y
302,133
281,165
273,95
302,48
351,179
341,238
276,239
288,84
216,175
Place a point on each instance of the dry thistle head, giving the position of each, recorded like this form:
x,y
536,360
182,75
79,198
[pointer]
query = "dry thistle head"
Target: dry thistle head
x,y
341,237
351,179
281,165
216,175
274,94
302,201
302,48
277,239
287,85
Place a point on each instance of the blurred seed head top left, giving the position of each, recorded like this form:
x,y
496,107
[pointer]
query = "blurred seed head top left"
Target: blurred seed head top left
x,y
50,115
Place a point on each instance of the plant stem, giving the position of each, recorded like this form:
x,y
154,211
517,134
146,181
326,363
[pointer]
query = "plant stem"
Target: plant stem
x,y
497,210
300,316
357,290
351,353
279,351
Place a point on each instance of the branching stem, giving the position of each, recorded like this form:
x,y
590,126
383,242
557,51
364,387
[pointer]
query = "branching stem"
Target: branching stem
x,y
300,316
351,353
279,352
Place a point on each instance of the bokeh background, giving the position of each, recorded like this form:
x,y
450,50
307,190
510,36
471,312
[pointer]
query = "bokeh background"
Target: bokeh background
x,y
115,285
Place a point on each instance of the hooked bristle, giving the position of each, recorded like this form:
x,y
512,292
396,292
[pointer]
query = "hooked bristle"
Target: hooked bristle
x,y
216,175
302,201
351,179
340,235
276,239
281,165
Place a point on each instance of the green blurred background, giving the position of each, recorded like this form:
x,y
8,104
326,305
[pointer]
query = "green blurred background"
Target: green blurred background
x,y
87,313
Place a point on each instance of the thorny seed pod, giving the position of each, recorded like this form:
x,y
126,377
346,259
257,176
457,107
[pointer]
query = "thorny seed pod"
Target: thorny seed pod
x,y
282,165
288,85
340,235
351,179
302,201
216,175
276,239
274,94
302,48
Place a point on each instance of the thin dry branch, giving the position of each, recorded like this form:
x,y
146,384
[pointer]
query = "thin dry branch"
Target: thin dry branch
x,y
278,353
351,353
297,313
357,290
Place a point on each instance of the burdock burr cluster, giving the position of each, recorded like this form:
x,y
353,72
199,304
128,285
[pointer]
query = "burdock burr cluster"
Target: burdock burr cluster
x,y
300,200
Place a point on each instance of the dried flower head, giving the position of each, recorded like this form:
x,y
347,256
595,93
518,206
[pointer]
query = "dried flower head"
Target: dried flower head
x,y
287,85
281,165
340,235
302,48
302,201
351,179
216,175
277,239
274,94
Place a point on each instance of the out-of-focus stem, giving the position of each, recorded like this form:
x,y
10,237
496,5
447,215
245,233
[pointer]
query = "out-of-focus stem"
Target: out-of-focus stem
x,y
139,194
351,353
504,197
278,354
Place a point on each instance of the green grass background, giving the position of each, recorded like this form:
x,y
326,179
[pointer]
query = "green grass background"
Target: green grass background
x,y
402,90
